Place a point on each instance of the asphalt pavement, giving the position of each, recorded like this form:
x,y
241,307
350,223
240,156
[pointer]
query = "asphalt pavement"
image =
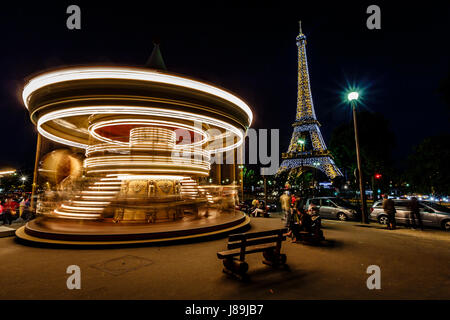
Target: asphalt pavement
x,y
413,264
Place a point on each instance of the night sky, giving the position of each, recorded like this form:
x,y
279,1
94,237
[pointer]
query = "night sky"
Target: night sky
x,y
250,51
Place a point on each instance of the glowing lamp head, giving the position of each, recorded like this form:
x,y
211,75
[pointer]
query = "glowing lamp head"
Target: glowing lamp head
x,y
353,96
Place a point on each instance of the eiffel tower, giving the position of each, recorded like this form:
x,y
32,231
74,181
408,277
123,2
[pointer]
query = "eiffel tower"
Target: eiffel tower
x,y
307,147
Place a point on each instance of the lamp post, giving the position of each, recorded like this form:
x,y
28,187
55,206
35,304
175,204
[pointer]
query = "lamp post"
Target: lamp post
x,y
316,165
301,143
353,97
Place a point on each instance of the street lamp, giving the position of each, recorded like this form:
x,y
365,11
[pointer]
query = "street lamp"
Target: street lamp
x,y
301,143
353,98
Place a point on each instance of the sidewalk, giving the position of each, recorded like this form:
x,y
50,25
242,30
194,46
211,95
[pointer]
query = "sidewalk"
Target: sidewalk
x,y
9,230
412,268
427,233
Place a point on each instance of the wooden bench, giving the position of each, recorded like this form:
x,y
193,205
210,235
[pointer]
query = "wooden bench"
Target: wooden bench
x,y
267,242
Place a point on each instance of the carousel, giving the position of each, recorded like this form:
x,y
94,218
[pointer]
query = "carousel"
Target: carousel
x,y
131,155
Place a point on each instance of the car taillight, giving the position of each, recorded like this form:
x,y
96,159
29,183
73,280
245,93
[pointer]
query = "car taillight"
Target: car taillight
x,y
371,210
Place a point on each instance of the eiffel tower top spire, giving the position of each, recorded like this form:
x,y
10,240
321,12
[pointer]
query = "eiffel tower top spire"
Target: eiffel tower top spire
x,y
305,106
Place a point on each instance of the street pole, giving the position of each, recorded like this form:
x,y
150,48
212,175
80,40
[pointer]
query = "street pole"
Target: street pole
x,y
301,180
314,182
35,173
374,195
360,174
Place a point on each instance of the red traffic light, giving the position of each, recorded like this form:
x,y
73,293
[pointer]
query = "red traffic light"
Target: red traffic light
x,y
377,175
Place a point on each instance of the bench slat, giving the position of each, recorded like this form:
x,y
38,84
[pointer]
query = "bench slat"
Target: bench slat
x,y
262,240
251,235
236,252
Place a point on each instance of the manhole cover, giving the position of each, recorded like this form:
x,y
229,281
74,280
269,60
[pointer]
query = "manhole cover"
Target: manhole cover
x,y
122,265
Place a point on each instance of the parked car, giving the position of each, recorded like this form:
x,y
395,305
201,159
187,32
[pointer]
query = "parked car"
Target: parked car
x,y
334,208
432,214
271,207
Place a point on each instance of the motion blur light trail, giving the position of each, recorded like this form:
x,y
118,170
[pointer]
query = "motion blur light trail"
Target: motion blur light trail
x,y
147,138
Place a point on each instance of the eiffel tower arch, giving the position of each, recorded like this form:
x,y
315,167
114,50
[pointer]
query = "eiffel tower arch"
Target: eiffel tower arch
x,y
307,149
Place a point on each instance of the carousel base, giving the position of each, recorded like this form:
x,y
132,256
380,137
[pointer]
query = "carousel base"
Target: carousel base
x,y
91,233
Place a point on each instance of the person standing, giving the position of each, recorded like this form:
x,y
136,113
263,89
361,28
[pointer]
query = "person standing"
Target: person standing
x,y
22,208
284,200
7,211
389,209
293,221
3,216
11,209
415,212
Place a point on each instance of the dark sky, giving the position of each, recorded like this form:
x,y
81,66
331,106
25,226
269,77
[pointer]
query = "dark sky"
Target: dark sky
x,y
249,50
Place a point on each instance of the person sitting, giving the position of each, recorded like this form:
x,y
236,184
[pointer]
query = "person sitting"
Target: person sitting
x,y
255,204
305,221
299,221
312,209
259,211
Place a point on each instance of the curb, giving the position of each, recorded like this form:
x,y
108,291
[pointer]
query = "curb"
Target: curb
x,y
6,232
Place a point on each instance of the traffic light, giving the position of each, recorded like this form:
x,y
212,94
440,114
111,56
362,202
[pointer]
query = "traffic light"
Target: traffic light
x,y
378,175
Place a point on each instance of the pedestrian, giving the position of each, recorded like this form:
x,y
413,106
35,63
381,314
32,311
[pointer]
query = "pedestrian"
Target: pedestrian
x,y
3,216
293,222
22,208
11,209
389,209
284,199
415,212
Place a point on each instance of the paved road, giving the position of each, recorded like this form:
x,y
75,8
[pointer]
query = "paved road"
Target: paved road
x,y
414,265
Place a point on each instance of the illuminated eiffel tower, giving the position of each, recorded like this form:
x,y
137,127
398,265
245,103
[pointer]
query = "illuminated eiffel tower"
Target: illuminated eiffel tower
x,y
307,147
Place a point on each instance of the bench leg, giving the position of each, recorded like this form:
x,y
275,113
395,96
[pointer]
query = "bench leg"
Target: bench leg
x,y
235,268
273,259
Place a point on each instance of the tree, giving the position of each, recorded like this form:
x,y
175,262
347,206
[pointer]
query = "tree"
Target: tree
x,y
377,141
427,170
251,175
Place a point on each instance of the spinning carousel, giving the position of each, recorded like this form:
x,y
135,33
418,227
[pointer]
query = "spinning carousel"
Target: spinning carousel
x,y
137,160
